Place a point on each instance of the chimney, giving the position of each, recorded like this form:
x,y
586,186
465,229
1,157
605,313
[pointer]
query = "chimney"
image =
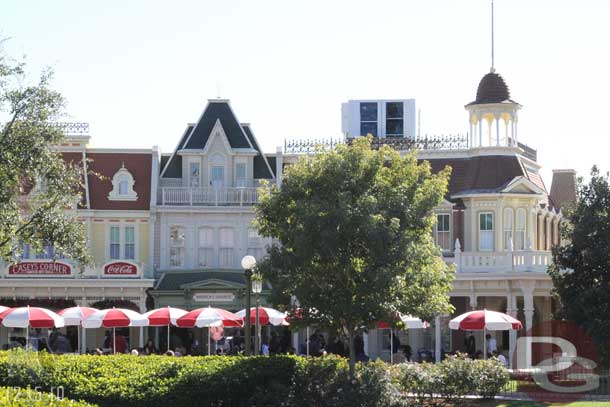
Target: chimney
x,y
563,188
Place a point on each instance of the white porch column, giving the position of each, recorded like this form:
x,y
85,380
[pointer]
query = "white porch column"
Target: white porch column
x,y
279,165
437,339
365,339
511,309
480,132
497,131
295,342
142,310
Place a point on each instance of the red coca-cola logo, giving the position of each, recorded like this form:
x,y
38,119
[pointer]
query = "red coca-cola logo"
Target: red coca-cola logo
x,y
120,268
31,268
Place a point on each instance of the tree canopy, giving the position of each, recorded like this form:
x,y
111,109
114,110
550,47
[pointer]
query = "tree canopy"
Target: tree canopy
x,y
353,228
581,264
37,188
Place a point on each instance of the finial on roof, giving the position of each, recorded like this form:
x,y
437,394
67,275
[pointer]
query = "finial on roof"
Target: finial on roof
x,y
492,69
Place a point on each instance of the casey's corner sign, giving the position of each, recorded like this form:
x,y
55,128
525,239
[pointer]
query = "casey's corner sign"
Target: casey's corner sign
x,y
120,268
39,268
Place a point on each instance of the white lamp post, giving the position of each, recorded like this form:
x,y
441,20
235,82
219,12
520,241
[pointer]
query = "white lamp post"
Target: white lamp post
x,y
248,263
257,288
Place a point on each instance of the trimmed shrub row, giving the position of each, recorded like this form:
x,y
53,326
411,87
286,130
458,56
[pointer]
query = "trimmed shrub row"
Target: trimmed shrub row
x,y
219,381
452,379
17,397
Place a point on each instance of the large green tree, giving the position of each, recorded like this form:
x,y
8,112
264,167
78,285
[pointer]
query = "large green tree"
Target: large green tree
x,y
38,190
353,228
581,263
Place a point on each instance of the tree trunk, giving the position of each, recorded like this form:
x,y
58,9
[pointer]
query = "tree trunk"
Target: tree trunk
x,y
352,353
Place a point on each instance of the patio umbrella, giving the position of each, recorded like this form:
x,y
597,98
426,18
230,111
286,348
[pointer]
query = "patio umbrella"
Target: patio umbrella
x,y
26,317
114,318
208,317
485,320
3,309
164,317
265,316
74,316
409,321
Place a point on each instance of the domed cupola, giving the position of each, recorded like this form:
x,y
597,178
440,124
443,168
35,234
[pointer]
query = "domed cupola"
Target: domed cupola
x,y
493,114
492,89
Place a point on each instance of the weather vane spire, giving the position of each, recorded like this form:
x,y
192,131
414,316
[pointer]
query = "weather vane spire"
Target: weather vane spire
x,y
493,69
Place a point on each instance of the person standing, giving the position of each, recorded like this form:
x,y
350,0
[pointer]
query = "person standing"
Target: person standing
x,y
492,344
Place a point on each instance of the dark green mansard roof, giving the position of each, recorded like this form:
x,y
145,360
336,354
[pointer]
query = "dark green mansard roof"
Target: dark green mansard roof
x,y
213,112
261,169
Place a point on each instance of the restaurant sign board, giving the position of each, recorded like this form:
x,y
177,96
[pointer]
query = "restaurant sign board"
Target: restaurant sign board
x,y
40,268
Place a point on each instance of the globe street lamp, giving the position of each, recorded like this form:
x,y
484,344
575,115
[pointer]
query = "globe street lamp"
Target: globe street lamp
x,y
257,287
248,263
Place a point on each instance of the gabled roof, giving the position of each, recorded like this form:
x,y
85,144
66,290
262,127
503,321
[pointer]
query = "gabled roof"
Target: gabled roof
x,y
262,167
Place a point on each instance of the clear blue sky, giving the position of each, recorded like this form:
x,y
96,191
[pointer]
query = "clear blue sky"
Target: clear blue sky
x,y
138,71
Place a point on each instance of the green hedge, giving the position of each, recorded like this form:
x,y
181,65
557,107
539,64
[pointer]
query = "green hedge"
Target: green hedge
x,y
16,397
125,380
452,379
220,381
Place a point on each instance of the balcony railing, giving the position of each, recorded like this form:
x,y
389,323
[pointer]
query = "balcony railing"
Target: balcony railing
x,y
516,261
209,196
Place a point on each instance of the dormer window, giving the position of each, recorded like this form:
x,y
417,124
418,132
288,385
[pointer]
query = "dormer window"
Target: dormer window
x,y
122,186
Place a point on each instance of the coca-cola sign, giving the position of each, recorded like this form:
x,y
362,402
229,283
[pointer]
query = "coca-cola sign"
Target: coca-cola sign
x,y
120,268
40,268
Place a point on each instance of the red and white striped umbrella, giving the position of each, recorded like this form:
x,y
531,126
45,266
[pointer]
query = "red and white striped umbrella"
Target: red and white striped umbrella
x,y
409,321
209,316
164,316
115,318
480,320
74,316
35,317
265,316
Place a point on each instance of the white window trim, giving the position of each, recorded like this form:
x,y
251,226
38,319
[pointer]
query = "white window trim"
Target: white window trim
x,y
450,214
493,230
524,230
214,261
114,195
190,180
136,238
168,239
218,160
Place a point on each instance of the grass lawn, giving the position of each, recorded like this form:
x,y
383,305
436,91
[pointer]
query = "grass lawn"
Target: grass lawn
x,y
502,403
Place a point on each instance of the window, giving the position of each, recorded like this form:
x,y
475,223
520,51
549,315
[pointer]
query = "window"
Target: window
x,y
520,230
122,186
443,231
257,252
194,173
47,252
218,176
115,242
25,251
508,228
176,247
486,232
206,247
226,243
368,118
394,123
240,175
130,243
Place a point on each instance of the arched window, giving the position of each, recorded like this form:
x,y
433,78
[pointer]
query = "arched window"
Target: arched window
x,y
508,228
520,230
122,186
